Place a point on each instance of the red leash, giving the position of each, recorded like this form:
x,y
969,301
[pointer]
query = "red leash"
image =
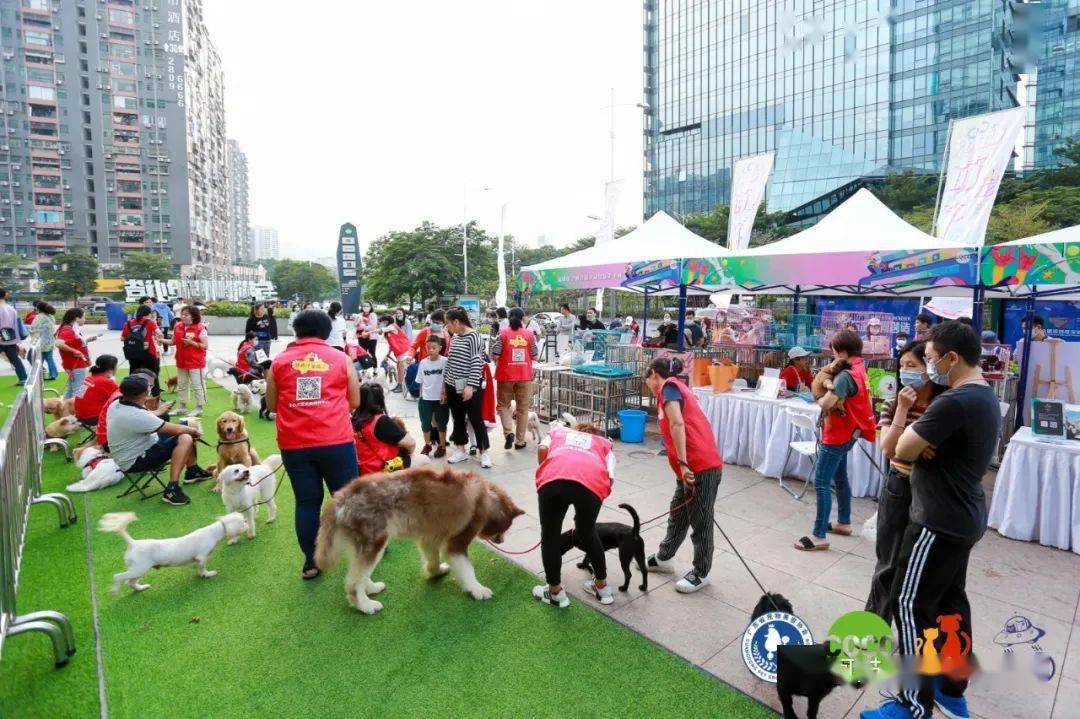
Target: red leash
x,y
673,510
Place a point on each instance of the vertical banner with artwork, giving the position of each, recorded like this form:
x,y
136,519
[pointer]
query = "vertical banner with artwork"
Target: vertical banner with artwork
x,y
980,148
606,232
747,191
349,263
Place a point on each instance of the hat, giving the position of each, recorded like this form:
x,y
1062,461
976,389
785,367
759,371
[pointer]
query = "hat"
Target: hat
x,y
797,352
134,385
629,319
1018,630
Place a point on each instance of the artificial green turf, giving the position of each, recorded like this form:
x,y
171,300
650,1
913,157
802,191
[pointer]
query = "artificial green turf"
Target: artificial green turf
x,y
257,641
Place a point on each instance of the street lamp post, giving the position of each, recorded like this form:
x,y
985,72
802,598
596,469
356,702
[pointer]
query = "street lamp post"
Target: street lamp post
x,y
465,229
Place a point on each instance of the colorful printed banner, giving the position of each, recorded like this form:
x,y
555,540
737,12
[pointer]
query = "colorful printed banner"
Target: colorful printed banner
x,y
750,176
980,148
1036,264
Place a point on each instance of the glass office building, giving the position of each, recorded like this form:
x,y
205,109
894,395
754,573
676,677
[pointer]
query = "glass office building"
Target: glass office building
x,y
841,89
1057,82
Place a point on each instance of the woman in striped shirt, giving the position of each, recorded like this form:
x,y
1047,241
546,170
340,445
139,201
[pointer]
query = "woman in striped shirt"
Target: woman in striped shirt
x,y
463,386
894,501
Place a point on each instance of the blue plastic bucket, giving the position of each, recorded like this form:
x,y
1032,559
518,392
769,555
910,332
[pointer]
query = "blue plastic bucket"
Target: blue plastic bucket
x,y
633,425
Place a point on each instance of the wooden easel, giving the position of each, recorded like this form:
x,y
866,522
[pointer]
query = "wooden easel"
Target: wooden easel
x,y
1053,382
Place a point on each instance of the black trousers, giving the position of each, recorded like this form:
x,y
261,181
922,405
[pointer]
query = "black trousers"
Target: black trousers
x,y
555,498
929,586
473,411
894,514
369,345
154,365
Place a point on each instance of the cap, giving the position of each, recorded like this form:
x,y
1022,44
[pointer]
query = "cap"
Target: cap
x,y
629,319
797,352
133,385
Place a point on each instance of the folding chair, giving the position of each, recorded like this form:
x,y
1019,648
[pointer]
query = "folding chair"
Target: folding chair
x,y
808,448
90,435
142,481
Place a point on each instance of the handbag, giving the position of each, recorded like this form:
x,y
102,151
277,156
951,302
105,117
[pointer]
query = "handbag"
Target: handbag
x,y
23,332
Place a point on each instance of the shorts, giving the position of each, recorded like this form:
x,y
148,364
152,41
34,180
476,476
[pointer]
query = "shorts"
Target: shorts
x,y
155,457
434,415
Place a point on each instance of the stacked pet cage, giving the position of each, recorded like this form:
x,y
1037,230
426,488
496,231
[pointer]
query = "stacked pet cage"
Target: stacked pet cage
x,y
546,390
597,399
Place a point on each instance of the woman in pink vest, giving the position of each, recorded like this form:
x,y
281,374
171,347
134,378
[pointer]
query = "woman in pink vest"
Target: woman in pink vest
x,y
514,351
693,457
840,431
577,468
191,341
313,388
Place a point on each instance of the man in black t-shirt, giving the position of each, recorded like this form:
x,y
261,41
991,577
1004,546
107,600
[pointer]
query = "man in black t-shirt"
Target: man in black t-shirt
x,y
950,447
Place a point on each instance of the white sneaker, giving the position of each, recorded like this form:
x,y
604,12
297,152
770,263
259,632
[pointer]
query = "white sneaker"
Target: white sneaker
x,y
457,456
485,460
691,583
542,593
197,412
660,566
604,596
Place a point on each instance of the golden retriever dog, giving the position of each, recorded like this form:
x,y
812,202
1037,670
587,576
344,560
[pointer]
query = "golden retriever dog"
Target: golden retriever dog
x,y
233,445
442,509
61,428
58,407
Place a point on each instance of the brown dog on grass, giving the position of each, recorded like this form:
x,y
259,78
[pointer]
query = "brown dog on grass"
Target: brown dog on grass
x,y
442,509
233,444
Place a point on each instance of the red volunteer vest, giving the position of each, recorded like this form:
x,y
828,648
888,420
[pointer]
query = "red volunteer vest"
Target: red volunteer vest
x,y
515,362
701,452
313,404
860,413
68,360
578,457
101,428
93,394
398,341
188,357
372,453
241,357
150,333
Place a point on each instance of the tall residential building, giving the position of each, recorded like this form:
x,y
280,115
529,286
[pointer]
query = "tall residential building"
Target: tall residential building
x,y
240,248
264,241
840,89
113,132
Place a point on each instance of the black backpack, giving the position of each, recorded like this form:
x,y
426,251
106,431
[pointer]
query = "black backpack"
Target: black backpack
x,y
136,344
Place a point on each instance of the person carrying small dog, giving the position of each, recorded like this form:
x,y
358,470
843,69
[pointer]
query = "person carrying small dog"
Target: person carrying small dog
x,y
577,469
695,460
514,351
381,445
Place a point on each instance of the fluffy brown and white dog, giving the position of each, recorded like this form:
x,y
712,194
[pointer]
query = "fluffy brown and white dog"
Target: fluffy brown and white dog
x,y
243,489
63,427
58,407
243,399
443,510
171,384
98,470
233,447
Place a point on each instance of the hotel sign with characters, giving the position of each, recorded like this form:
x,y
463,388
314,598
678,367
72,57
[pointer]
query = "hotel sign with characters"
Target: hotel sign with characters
x,y
349,265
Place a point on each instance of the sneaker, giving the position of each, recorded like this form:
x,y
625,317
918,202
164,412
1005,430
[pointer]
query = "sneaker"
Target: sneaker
x,y
178,411
397,389
891,709
197,412
543,593
457,457
196,474
485,460
509,441
691,583
175,496
661,566
439,452
426,449
952,707
604,596
472,450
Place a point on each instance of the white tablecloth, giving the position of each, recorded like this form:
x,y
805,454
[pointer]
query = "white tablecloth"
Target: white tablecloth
x,y
1037,494
755,432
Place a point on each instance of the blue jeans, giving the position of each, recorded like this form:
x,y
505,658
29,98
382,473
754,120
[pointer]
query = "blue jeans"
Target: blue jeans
x,y
74,381
308,469
12,353
831,469
50,362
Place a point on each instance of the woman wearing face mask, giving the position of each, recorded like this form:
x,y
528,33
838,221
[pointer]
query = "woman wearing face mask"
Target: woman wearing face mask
x,y
367,328
435,328
894,502
74,354
401,319
590,321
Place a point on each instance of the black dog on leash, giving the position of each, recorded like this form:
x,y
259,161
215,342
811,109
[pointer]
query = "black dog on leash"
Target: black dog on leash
x,y
801,670
614,534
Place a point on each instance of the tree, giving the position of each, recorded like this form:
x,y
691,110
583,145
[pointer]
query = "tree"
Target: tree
x,y
1016,221
268,264
148,266
902,192
307,281
71,274
10,265
713,226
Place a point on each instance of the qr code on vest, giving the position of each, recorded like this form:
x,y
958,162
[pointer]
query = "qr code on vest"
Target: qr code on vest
x,y
309,387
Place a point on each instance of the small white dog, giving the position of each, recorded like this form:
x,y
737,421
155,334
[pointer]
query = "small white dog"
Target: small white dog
x,y
98,470
243,399
243,489
142,555
566,420
216,367
258,387
534,426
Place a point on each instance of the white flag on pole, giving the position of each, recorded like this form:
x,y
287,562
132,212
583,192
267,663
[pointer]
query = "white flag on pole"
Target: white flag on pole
x,y
979,151
606,232
749,178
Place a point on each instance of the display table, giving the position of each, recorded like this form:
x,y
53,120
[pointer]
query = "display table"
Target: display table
x,y
755,432
1037,494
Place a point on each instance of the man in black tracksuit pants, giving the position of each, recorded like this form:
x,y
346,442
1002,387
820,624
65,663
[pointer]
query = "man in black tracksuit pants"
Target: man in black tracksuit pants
x,y
951,447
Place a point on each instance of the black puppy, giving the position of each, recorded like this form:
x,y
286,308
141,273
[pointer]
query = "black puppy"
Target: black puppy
x,y
801,670
614,534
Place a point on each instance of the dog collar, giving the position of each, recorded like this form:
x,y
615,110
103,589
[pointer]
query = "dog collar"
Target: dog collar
x,y
93,463
240,440
224,529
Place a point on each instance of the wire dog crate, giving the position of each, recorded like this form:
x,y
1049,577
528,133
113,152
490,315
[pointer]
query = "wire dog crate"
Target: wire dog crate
x,y
597,400
545,390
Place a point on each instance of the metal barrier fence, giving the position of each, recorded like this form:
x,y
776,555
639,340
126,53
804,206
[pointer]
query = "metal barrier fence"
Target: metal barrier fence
x,y
22,447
